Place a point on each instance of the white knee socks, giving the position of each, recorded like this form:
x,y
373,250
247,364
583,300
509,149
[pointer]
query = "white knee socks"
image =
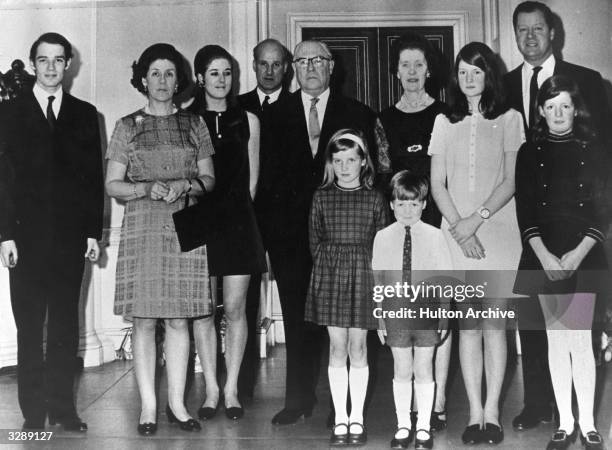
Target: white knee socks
x,y
424,393
402,395
338,385
358,385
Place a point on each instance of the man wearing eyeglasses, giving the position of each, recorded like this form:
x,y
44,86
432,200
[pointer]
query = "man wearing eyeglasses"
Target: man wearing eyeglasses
x,y
302,126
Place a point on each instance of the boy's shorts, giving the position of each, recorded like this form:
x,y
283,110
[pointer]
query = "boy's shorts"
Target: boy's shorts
x,y
409,338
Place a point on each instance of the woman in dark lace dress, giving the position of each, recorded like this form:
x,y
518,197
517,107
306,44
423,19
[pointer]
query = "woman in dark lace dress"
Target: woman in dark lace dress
x,y
236,250
405,131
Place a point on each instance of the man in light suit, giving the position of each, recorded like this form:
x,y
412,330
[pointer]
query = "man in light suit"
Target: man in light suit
x,y
301,128
51,198
535,33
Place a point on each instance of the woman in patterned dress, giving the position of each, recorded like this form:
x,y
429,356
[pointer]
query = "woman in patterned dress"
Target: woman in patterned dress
x,y
474,148
345,215
157,155
236,251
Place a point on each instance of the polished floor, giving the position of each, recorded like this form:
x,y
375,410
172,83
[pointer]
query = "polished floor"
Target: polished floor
x,y
108,402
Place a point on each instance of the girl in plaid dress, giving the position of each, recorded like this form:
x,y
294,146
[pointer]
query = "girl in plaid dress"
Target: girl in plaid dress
x,y
345,216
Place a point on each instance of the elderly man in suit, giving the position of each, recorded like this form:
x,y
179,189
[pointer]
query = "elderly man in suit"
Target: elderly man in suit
x,y
51,198
270,64
301,128
535,33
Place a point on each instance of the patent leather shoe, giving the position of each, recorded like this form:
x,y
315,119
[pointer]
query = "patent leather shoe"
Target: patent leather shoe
x,y
531,417
187,425
560,440
423,444
592,441
436,422
69,423
400,443
472,434
288,416
357,438
147,429
341,438
208,412
492,434
234,412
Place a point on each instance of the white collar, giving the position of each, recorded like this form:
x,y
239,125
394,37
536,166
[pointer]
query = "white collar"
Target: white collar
x,y
548,66
273,96
42,97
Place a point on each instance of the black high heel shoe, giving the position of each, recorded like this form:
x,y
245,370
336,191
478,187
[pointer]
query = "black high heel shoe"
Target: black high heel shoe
x,y
188,425
208,412
147,429
234,412
472,434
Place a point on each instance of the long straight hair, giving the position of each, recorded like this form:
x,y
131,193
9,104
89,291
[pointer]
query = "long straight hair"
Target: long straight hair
x,y
493,98
338,143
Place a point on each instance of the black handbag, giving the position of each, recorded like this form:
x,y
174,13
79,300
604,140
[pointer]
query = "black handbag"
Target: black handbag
x,y
193,224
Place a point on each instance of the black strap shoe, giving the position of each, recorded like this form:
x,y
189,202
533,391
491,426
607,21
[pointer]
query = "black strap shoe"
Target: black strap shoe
x,y
340,438
436,422
560,440
357,438
592,441
400,443
423,444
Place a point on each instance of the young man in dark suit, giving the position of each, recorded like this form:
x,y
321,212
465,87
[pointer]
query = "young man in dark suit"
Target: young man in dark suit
x,y
301,128
535,33
51,198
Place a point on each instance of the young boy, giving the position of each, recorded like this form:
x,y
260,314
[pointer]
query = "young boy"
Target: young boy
x,y
410,245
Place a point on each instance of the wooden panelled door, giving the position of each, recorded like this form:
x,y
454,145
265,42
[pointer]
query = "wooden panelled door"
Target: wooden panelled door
x,y
362,59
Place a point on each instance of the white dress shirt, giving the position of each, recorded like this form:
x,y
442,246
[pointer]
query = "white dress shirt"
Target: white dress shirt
x,y
548,68
42,97
321,106
272,96
429,250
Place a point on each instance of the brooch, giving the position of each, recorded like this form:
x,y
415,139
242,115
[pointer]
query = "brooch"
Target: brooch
x,y
414,148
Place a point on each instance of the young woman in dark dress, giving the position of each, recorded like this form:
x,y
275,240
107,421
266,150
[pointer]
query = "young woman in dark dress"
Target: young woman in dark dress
x,y
559,184
236,250
406,131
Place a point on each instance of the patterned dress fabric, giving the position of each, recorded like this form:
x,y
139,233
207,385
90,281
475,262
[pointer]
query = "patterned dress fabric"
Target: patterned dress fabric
x,y
343,224
236,248
153,278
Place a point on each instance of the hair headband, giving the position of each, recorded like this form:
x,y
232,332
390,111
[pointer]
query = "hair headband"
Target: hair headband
x,y
354,138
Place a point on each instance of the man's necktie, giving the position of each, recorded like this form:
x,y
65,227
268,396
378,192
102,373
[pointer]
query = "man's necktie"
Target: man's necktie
x,y
314,129
533,95
50,114
266,103
407,259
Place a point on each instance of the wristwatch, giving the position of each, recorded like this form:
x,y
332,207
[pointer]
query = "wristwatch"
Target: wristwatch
x,y
483,212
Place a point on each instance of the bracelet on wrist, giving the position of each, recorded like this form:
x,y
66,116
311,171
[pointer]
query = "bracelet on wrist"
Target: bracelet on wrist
x,y
190,186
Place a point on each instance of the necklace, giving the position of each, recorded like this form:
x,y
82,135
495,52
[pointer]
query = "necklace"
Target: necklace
x,y
423,101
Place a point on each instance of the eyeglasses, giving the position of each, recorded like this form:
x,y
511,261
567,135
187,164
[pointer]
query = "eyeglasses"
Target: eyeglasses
x,y
317,61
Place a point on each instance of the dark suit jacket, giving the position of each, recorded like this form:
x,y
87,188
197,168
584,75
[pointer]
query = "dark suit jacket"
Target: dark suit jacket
x,y
590,84
51,187
292,175
250,101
